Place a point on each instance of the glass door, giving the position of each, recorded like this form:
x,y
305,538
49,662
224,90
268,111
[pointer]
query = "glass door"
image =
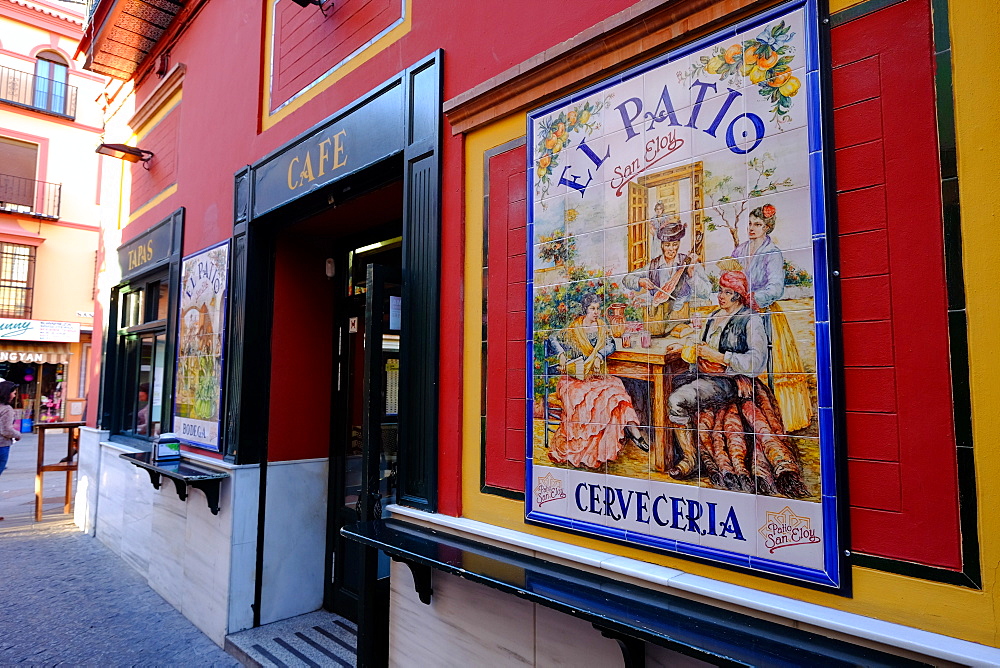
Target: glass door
x,y
366,398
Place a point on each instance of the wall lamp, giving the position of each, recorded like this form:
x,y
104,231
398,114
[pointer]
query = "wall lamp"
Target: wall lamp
x,y
128,153
322,4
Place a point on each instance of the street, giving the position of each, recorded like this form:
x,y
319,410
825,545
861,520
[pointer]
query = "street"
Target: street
x,y
67,599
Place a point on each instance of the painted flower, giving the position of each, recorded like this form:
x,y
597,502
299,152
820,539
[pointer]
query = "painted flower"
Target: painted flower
x,y
769,211
775,37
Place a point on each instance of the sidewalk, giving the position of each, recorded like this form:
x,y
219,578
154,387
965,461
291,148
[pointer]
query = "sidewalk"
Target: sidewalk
x,y
67,599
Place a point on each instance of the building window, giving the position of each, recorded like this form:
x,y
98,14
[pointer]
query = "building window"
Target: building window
x,y
141,350
51,73
18,161
17,277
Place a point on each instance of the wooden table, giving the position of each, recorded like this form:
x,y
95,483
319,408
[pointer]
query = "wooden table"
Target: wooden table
x,y
652,365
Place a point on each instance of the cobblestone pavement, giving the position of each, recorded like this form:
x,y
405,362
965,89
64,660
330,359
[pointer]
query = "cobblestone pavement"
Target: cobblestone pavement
x,y
65,599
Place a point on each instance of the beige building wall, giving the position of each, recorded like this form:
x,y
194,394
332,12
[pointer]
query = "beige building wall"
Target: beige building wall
x,y
66,248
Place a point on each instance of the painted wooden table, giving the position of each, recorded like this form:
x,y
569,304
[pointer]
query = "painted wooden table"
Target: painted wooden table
x,y
652,365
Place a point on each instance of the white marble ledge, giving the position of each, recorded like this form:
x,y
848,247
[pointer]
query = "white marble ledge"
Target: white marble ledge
x,y
211,462
120,447
848,623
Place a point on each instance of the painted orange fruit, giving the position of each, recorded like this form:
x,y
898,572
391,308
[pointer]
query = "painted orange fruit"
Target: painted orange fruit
x,y
544,162
779,79
769,62
732,53
750,55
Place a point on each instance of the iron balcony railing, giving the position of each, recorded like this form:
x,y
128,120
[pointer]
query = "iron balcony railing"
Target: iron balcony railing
x,y
35,198
34,92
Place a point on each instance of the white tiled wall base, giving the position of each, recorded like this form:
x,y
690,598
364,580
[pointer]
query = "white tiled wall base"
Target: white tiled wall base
x,y
85,503
472,625
294,539
202,564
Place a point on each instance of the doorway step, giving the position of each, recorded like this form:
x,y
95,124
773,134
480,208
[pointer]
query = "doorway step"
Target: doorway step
x,y
316,639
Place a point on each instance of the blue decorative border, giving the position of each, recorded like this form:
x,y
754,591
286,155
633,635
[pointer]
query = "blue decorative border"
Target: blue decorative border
x,y
820,188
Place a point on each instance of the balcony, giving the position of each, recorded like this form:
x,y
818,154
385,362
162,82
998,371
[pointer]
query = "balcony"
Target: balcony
x,y
34,92
30,197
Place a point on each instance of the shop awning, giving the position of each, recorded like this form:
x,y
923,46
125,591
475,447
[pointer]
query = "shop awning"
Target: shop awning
x,y
35,353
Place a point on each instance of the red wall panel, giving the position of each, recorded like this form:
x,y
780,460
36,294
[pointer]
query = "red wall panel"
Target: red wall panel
x,y
309,43
506,365
900,430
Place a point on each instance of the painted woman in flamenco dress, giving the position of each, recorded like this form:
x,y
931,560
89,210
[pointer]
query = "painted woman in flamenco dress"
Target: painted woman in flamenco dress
x,y
597,412
765,266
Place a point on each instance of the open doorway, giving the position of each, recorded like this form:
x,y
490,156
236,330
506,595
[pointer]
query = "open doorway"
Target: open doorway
x,y
319,380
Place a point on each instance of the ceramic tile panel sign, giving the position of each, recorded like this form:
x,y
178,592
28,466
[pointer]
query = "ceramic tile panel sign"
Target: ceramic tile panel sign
x,y
681,394
198,394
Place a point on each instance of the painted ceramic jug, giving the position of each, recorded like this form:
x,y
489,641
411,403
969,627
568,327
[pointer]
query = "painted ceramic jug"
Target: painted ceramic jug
x,y
616,319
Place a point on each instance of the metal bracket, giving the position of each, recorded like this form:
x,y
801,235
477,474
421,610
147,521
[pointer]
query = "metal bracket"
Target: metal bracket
x,y
211,490
181,487
421,580
633,649
154,478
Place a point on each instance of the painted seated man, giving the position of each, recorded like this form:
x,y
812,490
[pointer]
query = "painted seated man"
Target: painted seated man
x,y
665,285
722,403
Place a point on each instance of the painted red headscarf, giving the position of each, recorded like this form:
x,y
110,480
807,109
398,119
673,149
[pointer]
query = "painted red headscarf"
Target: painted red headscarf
x,y
738,283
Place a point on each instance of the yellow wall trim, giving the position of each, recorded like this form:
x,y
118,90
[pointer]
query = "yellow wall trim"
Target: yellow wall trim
x,y
162,195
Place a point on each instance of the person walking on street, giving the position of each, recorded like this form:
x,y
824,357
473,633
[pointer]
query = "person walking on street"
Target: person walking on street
x,y
8,391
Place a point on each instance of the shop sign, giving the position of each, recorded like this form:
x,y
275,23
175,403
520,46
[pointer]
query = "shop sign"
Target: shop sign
x,y
198,394
354,139
39,330
679,333
147,251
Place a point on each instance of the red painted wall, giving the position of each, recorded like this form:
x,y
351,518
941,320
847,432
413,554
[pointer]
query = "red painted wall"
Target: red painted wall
x,y
894,442
301,353
151,179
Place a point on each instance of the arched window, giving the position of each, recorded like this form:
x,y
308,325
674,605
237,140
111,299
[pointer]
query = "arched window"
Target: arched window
x,y
51,72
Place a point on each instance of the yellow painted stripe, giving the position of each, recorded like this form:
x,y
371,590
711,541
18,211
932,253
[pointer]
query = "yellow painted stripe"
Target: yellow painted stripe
x,y
269,120
163,194
139,133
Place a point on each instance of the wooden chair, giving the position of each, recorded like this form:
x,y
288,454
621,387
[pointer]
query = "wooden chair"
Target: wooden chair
x,y
68,466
